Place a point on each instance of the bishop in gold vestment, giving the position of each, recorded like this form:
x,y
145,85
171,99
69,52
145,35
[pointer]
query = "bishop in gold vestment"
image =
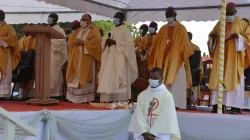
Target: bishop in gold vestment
x,y
237,38
171,52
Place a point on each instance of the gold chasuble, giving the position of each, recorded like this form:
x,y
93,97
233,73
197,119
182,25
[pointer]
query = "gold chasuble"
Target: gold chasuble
x,y
8,35
234,63
137,42
83,64
27,43
92,44
9,57
147,44
170,50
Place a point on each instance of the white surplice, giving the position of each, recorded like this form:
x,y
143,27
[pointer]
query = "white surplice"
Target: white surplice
x,y
118,67
234,98
155,113
178,89
58,57
5,83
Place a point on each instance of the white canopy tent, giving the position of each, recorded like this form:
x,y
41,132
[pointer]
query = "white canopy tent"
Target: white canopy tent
x,y
143,10
32,11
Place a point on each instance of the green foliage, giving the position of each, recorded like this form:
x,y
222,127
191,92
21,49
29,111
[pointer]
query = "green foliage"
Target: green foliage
x,y
105,25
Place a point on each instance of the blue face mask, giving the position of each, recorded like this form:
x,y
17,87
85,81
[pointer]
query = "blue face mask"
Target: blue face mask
x,y
151,30
170,19
230,18
116,21
154,83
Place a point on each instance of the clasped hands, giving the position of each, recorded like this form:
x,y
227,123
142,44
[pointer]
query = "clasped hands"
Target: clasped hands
x,y
148,136
109,42
228,36
78,42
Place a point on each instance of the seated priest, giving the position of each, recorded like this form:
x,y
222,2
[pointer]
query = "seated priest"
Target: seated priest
x,y
155,116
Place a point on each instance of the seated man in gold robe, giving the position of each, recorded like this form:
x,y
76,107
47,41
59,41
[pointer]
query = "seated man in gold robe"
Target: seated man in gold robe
x,y
237,39
27,43
9,55
171,52
83,61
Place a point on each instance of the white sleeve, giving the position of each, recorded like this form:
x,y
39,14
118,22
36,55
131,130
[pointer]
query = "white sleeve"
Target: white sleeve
x,y
212,44
4,44
240,45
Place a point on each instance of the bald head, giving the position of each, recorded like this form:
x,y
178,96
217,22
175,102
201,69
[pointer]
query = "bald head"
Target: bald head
x,y
86,20
2,15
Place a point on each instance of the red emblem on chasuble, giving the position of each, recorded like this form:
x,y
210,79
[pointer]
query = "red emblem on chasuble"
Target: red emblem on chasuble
x,y
154,104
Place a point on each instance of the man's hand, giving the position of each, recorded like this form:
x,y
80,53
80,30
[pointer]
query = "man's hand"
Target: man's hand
x,y
143,52
110,42
78,42
236,36
214,35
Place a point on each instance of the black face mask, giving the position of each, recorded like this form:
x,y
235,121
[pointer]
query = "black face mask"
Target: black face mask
x,y
1,18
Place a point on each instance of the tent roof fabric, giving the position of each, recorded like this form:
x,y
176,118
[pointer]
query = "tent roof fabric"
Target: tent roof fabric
x,y
144,10
33,11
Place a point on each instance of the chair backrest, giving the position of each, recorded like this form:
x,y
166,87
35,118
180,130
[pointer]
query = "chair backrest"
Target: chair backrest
x,y
25,69
194,62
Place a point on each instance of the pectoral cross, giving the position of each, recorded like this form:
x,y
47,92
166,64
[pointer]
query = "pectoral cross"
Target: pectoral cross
x,y
168,40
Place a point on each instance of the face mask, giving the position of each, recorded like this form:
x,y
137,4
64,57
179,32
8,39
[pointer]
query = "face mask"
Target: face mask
x,y
230,18
50,20
170,19
140,31
116,21
151,30
73,31
1,22
83,24
154,83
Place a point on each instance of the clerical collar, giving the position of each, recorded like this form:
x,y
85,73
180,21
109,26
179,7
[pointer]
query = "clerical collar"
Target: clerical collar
x,y
171,24
161,87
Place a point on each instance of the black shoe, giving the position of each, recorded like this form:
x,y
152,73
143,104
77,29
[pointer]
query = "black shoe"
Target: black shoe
x,y
235,110
214,109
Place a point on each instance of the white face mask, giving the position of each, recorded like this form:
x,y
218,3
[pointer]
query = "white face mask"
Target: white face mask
x,y
50,20
154,83
151,30
140,31
230,18
83,24
170,19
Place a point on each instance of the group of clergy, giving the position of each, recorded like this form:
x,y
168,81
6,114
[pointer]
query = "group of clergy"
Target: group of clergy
x,y
107,64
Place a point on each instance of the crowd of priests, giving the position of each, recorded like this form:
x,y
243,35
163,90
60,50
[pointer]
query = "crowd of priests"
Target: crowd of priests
x,y
106,64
